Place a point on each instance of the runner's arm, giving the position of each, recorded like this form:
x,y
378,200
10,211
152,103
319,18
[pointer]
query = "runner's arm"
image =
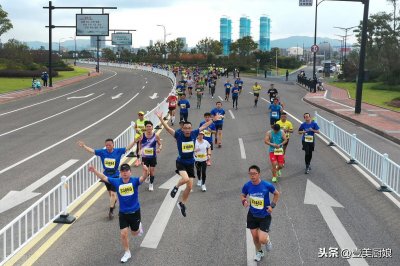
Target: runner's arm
x,y
267,140
130,146
159,143
284,139
207,124
98,174
167,127
82,145
243,198
145,173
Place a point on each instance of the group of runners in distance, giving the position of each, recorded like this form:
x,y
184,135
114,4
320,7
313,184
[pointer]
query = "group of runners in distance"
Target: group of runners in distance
x,y
195,147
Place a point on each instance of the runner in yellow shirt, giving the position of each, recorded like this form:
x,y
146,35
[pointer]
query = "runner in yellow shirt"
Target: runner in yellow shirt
x,y
287,127
139,129
256,91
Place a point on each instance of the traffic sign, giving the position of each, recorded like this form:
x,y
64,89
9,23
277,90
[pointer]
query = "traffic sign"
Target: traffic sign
x,y
314,48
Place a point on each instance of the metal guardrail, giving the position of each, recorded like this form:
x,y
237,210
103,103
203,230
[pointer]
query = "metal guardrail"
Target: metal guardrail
x,y
16,234
377,164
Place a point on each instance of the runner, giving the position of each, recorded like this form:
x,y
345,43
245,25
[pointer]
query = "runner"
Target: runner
x,y
199,92
239,82
185,140
308,130
274,111
110,158
227,86
180,89
218,111
287,127
272,93
235,95
172,100
276,138
184,106
256,91
129,206
148,143
201,155
260,209
213,84
208,132
190,84
139,129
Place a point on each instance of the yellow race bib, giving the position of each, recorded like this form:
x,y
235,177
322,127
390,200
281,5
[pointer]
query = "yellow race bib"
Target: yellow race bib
x,y
207,133
109,163
126,189
308,138
201,155
183,106
278,151
257,202
187,147
148,151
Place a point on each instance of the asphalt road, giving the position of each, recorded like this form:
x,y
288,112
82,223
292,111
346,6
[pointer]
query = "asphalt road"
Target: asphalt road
x,y
214,231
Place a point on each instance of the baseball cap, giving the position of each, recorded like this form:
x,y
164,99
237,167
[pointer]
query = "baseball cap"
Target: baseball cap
x,y
125,167
141,113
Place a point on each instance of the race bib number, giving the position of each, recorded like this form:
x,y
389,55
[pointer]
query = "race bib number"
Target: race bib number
x,y
201,155
187,147
109,163
148,151
228,87
126,190
257,203
183,106
274,114
278,151
172,104
308,138
207,133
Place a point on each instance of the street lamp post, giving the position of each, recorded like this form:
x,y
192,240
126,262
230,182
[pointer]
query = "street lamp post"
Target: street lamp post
x,y
258,63
165,40
276,62
315,34
345,38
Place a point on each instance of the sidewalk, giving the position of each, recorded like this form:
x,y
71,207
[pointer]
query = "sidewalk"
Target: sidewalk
x,y
382,121
15,95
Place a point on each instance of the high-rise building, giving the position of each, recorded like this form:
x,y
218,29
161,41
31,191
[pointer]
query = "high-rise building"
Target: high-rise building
x,y
225,34
244,27
102,42
265,32
183,39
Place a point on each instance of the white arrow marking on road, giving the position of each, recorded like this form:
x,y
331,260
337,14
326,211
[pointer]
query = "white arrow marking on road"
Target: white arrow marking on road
x,y
143,87
116,96
316,196
155,96
15,198
220,98
115,87
242,150
80,97
230,111
157,227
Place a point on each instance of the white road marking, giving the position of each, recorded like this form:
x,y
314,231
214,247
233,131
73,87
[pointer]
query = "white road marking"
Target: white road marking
x,y
116,96
47,118
316,196
67,138
15,198
220,98
154,96
230,111
251,250
80,97
48,100
242,151
143,87
115,87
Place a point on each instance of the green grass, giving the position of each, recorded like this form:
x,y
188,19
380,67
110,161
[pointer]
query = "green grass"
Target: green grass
x,y
13,84
375,93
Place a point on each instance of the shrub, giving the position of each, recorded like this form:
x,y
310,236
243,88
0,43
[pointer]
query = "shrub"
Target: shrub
x,y
12,73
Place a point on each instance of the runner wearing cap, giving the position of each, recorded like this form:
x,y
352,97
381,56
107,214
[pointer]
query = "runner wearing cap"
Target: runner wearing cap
x,y
127,188
275,139
139,128
256,92
287,127
110,158
185,140
201,154
172,101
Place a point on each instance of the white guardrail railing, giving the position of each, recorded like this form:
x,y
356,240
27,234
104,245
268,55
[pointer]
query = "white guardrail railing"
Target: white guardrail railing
x,y
54,204
377,164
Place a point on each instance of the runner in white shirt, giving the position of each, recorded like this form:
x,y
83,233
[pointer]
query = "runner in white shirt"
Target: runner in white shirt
x,y
190,84
201,154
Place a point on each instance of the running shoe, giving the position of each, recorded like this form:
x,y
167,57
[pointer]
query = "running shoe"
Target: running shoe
x,y
199,183
259,255
151,188
126,257
307,170
110,215
182,207
279,173
147,180
173,192
203,188
274,179
141,231
268,246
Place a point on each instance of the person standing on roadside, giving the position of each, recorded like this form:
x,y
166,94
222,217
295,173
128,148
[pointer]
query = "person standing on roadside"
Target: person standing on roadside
x,y
255,195
287,74
308,130
127,188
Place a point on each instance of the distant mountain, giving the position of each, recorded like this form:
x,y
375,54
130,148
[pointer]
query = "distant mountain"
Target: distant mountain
x,y
67,44
307,41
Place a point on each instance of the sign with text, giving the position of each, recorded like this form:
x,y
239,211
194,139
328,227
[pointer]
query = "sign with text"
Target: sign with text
x,y
92,25
305,2
121,38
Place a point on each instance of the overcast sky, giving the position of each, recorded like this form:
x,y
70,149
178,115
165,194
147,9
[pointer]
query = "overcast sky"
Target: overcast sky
x,y
193,19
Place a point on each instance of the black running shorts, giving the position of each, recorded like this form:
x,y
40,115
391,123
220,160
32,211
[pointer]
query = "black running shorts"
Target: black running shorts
x,y
131,220
258,223
150,162
189,168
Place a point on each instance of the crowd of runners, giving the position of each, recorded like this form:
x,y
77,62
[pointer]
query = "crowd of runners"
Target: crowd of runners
x,y
195,147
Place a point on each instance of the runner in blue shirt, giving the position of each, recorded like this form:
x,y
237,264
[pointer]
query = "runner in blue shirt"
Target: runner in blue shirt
x,y
235,96
208,132
127,188
255,195
110,158
184,106
239,82
275,110
308,130
228,87
185,140
219,122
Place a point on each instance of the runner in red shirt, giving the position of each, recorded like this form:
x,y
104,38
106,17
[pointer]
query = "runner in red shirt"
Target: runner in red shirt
x,y
172,101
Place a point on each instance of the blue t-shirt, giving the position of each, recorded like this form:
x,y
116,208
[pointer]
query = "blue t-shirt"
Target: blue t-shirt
x,y
184,106
235,92
128,194
276,138
309,135
215,112
186,146
258,197
110,160
208,131
227,87
275,111
239,83
180,88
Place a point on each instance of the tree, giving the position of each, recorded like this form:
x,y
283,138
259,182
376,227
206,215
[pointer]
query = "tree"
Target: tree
x,y
394,3
209,46
141,53
108,54
5,23
243,46
17,51
175,47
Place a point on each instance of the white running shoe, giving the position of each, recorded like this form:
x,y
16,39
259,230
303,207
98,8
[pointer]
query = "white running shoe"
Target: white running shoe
x,y
259,255
203,188
126,257
199,183
151,187
268,246
147,180
140,229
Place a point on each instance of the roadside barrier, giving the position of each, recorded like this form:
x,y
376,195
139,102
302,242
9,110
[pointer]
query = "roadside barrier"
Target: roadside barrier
x,y
53,206
377,164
